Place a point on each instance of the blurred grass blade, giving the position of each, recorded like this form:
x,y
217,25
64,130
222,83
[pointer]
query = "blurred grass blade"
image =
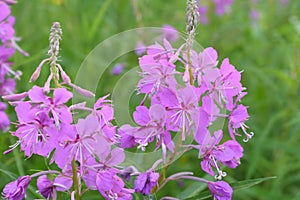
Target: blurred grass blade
x,y
8,173
236,186
98,19
194,189
249,183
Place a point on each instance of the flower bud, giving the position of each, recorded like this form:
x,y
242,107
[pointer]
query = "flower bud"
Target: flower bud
x,y
15,97
220,190
16,190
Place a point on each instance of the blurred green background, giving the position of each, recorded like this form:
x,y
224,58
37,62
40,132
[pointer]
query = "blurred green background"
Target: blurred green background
x,y
268,52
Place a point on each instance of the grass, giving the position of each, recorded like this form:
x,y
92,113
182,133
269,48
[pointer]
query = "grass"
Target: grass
x,y
268,52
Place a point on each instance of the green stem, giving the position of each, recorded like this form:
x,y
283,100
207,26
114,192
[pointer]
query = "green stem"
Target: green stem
x,y
162,176
75,180
55,75
190,66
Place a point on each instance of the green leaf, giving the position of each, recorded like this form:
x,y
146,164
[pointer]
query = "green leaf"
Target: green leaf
x,y
194,189
249,183
235,186
8,173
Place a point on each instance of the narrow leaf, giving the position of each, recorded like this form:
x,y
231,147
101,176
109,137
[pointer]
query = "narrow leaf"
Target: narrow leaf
x,y
236,186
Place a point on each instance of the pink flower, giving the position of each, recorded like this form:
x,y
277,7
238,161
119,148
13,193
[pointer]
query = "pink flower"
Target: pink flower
x,y
223,6
4,11
111,186
35,131
228,153
152,124
16,190
56,105
170,33
156,75
181,106
81,142
140,48
4,120
202,14
117,69
48,187
220,190
237,120
145,182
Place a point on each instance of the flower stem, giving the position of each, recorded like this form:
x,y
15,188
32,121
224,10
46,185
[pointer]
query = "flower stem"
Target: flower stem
x,y
162,176
44,172
75,180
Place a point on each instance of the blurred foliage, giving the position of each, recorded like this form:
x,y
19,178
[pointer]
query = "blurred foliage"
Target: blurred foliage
x,y
268,52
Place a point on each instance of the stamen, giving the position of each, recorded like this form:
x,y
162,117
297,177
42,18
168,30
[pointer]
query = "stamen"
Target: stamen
x,y
220,174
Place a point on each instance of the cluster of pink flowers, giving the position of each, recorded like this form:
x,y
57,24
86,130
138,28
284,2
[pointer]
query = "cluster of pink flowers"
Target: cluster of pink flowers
x,y
84,151
186,93
7,49
189,108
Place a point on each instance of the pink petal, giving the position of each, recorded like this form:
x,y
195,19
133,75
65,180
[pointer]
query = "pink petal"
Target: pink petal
x,y
5,11
61,96
37,95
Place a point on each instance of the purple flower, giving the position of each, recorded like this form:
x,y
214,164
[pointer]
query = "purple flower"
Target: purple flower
x,y
145,182
210,107
170,33
35,131
117,69
206,150
48,188
152,124
4,11
111,186
56,105
156,75
107,161
204,65
254,15
182,108
202,14
222,6
16,190
105,115
225,85
127,140
8,1
6,29
229,153
5,54
284,2
4,121
201,131
237,120
220,190
140,48
7,86
161,53
81,142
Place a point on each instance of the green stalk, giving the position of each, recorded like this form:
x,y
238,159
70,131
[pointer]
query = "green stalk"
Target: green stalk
x,y
162,176
75,180
189,60
55,75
